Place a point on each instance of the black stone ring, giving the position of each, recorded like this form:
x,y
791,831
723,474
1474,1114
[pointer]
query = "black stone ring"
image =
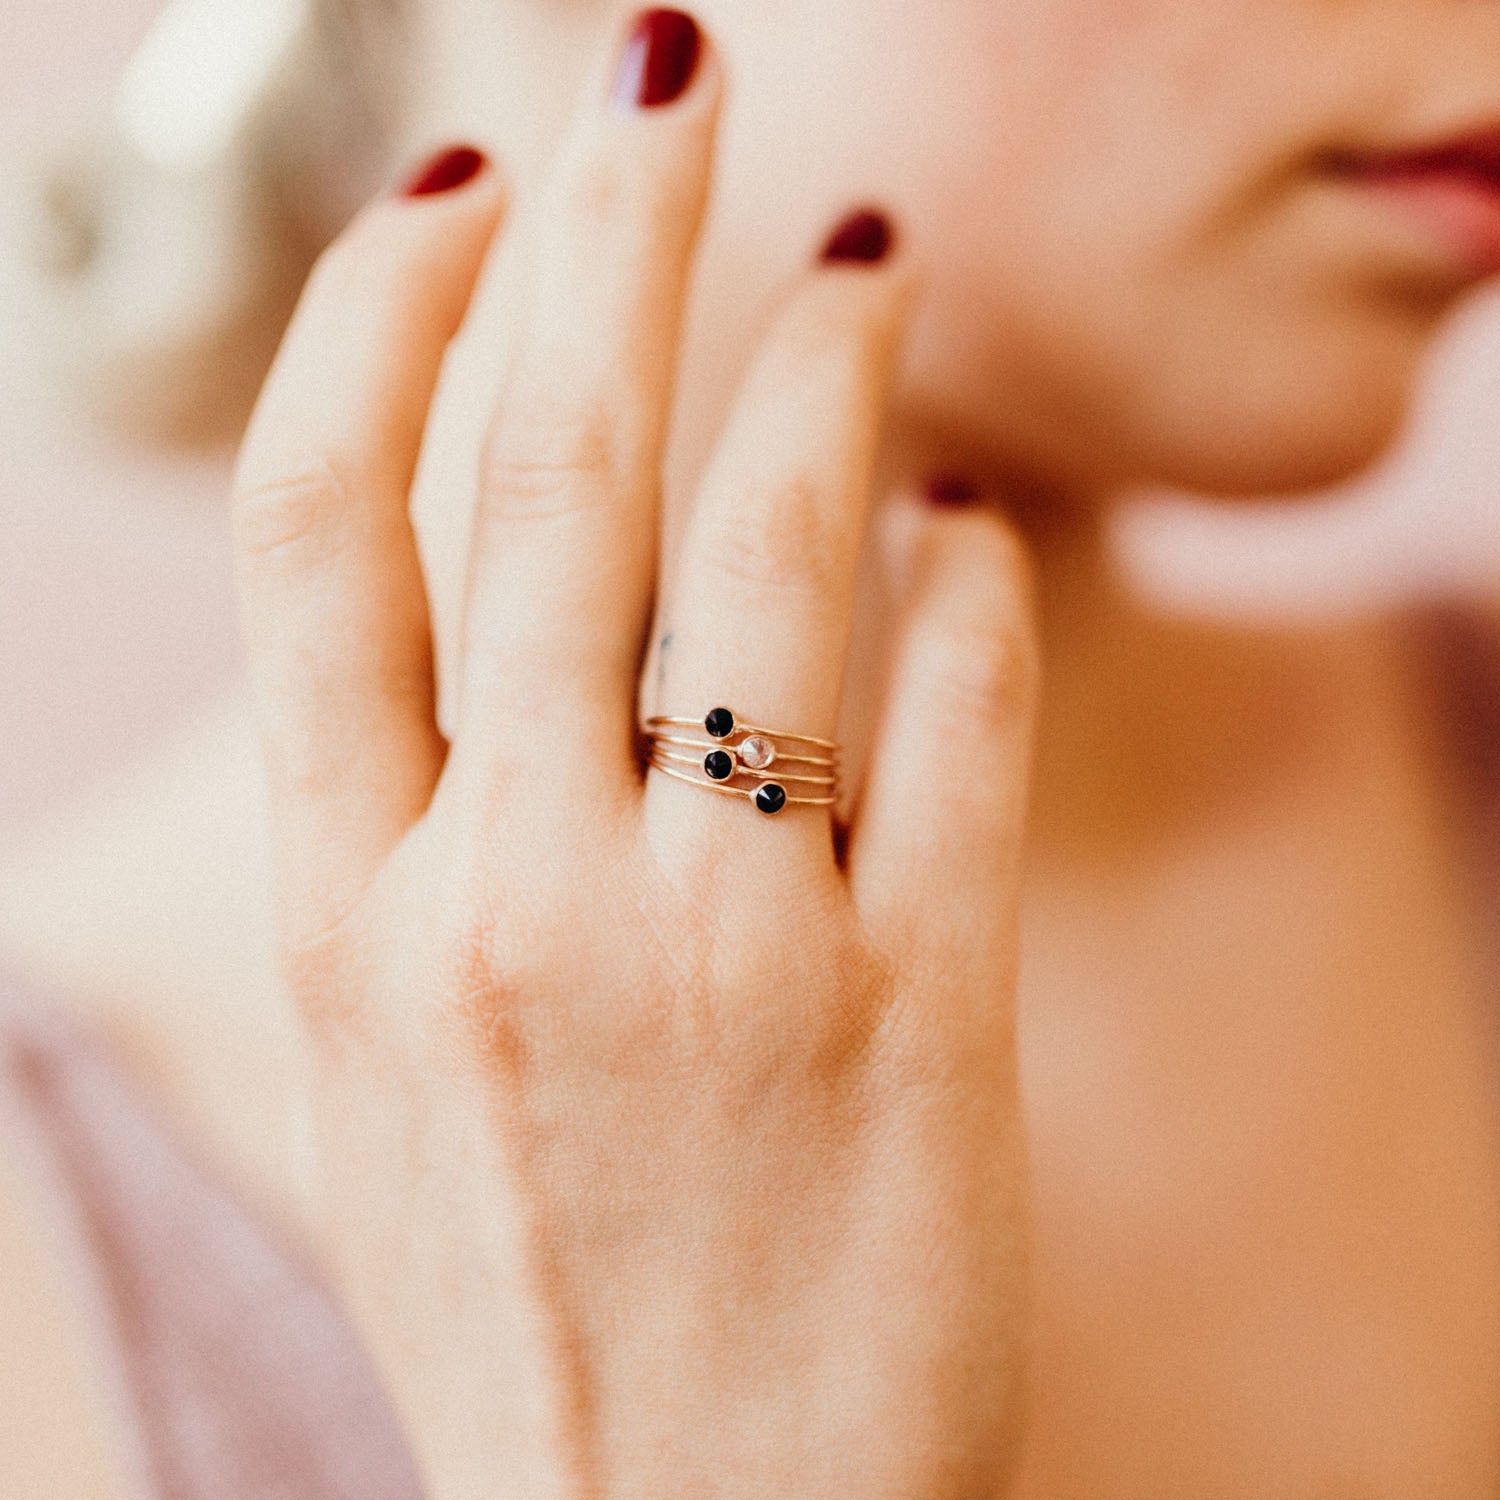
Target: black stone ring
x,y
738,758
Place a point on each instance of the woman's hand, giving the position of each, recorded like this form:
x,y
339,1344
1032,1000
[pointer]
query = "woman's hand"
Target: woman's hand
x,y
666,1149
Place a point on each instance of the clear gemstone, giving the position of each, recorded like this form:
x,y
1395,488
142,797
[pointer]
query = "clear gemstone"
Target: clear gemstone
x,y
757,752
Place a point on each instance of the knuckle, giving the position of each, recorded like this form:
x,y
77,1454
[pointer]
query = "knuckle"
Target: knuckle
x,y
634,181
778,538
596,191
483,998
497,978
545,462
299,516
985,669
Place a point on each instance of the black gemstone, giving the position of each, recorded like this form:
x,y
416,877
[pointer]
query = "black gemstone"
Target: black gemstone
x,y
720,723
719,764
771,798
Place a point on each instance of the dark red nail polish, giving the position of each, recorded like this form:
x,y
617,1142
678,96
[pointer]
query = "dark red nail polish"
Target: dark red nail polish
x,y
449,169
864,236
952,490
659,60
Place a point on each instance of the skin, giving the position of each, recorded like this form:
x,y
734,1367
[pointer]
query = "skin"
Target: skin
x,y
1127,237
540,1036
1262,1190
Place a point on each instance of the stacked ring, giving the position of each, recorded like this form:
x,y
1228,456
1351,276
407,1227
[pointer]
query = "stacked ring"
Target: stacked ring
x,y
773,768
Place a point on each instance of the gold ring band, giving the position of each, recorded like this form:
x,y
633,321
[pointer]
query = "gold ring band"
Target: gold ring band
x,y
697,760
801,760
746,760
718,786
776,734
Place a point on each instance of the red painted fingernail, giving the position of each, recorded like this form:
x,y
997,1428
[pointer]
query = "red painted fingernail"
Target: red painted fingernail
x,y
449,169
659,60
952,490
865,236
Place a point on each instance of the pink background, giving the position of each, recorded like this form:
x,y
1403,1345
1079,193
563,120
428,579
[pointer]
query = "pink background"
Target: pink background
x,y
115,604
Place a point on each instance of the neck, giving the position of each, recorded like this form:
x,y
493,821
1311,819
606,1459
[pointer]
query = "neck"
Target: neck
x,y
1154,728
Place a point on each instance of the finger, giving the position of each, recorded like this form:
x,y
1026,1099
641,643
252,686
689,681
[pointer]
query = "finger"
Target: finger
x,y
943,804
562,563
761,604
332,603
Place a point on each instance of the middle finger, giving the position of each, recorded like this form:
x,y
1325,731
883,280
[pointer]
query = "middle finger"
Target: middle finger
x,y
563,556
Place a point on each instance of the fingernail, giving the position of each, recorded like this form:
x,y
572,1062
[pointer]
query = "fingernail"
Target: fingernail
x,y
952,490
865,236
659,60
450,168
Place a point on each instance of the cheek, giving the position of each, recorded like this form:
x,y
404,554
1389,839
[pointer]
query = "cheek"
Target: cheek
x,y
1131,130
1071,177
1116,255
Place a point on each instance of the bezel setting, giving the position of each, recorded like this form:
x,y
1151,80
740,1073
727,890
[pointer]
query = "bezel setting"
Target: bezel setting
x,y
720,765
756,752
771,798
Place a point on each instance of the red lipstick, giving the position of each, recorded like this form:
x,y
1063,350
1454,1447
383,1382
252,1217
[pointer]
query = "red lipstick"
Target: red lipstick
x,y
1452,187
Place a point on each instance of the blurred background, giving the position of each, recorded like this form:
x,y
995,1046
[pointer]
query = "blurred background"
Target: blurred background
x,y
106,551
147,177
168,172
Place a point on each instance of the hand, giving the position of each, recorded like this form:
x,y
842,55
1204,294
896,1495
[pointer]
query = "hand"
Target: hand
x,y
665,1148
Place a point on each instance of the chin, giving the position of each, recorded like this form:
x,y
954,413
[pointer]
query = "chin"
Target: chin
x,y
1253,454
1285,415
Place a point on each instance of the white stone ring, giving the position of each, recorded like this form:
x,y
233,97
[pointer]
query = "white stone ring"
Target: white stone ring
x,y
747,760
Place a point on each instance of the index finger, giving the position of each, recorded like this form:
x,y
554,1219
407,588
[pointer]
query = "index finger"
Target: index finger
x,y
332,601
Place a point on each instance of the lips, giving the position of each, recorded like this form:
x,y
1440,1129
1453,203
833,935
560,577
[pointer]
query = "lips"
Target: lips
x,y
1452,187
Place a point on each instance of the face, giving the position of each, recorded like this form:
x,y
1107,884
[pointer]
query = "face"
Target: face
x,y
1198,243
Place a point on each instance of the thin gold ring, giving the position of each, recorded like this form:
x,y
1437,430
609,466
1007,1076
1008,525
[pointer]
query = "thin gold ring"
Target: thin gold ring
x,y
734,791
775,734
735,753
801,760
697,760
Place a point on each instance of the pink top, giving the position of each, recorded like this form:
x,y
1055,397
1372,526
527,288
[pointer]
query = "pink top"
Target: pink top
x,y
234,1373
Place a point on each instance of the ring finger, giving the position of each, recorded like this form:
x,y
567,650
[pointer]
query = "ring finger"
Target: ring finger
x,y
760,613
